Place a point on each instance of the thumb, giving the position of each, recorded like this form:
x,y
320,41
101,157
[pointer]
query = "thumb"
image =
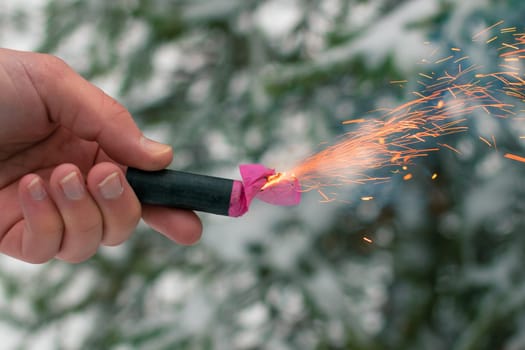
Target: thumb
x,y
89,113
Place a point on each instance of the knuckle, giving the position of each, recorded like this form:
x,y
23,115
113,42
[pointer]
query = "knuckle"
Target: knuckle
x,y
52,65
45,66
50,231
91,229
82,244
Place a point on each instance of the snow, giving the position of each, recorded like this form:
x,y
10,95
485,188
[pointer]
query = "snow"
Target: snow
x,y
391,36
276,18
28,38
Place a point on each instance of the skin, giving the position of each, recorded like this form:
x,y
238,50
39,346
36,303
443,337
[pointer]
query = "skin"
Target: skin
x,y
64,147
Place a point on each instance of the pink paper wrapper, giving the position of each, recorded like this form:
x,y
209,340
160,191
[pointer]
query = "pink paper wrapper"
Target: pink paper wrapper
x,y
286,192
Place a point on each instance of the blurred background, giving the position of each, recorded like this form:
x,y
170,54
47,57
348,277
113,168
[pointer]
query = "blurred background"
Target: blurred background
x,y
235,81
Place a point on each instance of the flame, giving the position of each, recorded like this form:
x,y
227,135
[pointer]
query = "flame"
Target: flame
x,y
277,178
401,135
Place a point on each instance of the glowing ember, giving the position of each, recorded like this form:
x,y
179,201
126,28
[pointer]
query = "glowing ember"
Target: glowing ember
x,y
515,157
281,189
369,198
434,176
396,138
354,121
273,179
367,240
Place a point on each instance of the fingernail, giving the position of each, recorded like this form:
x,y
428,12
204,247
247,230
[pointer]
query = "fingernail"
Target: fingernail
x,y
111,187
36,189
72,187
154,146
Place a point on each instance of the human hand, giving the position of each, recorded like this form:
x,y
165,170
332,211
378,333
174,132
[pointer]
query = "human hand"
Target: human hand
x,y
64,147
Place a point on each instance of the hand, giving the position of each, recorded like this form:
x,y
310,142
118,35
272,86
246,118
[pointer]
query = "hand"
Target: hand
x,y
64,147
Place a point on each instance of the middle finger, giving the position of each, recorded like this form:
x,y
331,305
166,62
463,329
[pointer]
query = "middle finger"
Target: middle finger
x,y
80,214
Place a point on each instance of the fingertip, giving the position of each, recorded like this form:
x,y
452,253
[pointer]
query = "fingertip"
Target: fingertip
x,y
118,203
155,148
61,172
181,226
157,155
32,186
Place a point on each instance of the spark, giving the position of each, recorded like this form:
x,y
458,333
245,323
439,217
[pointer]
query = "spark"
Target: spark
x,y
515,157
461,59
508,30
367,240
398,81
434,176
326,199
408,177
510,46
449,147
368,198
444,59
494,143
494,38
486,30
354,121
485,140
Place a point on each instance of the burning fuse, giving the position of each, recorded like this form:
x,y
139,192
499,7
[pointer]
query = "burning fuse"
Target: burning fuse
x,y
215,195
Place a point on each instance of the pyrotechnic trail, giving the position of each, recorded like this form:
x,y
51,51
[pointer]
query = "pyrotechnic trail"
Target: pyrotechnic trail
x,y
397,137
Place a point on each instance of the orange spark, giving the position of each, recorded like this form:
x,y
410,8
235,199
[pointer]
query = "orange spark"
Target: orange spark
x,y
486,30
354,121
444,59
367,240
449,147
408,177
514,157
434,176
